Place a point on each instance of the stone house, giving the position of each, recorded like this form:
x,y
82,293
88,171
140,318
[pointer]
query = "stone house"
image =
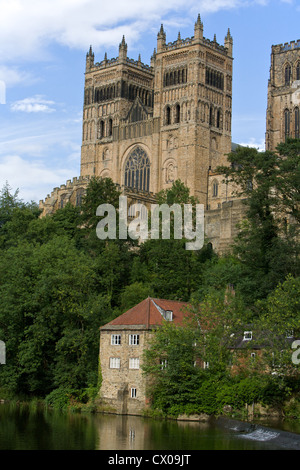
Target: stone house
x,y
122,342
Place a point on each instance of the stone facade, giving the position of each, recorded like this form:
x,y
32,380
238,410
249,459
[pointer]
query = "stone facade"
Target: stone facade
x,y
122,343
283,94
174,114
145,126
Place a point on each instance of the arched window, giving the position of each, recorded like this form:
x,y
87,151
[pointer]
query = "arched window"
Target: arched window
x,y
137,170
211,116
287,74
100,129
110,123
297,133
79,196
286,123
177,113
218,118
168,115
215,188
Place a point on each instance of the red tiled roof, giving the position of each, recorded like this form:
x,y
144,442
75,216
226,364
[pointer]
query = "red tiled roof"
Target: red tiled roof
x,y
148,313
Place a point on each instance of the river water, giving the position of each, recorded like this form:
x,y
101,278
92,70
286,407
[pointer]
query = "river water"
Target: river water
x,y
24,427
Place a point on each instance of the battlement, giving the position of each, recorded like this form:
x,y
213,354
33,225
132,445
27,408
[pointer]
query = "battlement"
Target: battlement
x,y
115,61
287,46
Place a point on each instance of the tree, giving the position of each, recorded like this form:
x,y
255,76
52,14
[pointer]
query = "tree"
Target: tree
x,y
51,310
268,249
99,191
166,265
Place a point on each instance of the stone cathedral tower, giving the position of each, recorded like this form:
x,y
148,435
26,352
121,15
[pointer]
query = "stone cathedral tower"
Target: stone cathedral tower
x,y
145,126
283,94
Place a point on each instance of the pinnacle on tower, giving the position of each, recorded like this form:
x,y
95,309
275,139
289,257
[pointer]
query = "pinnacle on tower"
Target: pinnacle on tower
x,y
228,43
90,56
198,30
123,49
161,39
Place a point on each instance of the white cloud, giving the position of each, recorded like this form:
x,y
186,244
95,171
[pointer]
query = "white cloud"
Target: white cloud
x,y
12,76
28,26
252,142
33,178
35,104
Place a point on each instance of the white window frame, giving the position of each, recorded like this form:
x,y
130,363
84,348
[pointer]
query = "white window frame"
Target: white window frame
x,y
134,340
134,363
133,392
246,335
114,363
115,340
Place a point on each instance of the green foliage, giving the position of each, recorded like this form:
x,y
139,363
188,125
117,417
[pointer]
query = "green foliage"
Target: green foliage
x,y
59,283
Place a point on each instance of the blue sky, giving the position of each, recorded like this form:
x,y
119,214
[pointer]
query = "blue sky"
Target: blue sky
x,y
43,44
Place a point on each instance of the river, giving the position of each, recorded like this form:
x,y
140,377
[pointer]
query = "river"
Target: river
x,y
27,427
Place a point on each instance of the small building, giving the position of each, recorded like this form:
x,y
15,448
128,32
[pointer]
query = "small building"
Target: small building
x,y
122,343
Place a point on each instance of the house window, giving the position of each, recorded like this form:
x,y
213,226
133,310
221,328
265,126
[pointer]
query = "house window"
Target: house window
x,y
247,335
205,365
115,363
163,364
134,363
298,71
134,340
115,339
168,315
133,392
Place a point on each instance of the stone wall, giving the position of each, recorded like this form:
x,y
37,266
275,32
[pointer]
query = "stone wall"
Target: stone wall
x,y
118,382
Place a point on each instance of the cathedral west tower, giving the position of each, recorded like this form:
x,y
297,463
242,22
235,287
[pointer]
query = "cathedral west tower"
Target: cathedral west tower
x,y
145,126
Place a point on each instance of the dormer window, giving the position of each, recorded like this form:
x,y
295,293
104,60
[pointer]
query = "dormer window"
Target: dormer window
x,y
168,315
247,335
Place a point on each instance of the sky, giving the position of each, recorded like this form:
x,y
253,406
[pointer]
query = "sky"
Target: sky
x,y
43,46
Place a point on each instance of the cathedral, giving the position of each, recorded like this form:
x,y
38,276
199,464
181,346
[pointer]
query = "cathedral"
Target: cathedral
x,y
146,126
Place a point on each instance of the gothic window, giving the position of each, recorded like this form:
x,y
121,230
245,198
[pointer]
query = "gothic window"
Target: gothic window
x,y
168,115
298,71
177,113
287,74
211,116
79,196
137,170
110,127
218,124
215,188
297,131
100,129
214,78
176,77
286,123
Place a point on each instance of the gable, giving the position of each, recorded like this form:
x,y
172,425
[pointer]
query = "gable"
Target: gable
x,y
137,112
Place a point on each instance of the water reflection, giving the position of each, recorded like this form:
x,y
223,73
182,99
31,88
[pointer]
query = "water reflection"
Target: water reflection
x,y
24,427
